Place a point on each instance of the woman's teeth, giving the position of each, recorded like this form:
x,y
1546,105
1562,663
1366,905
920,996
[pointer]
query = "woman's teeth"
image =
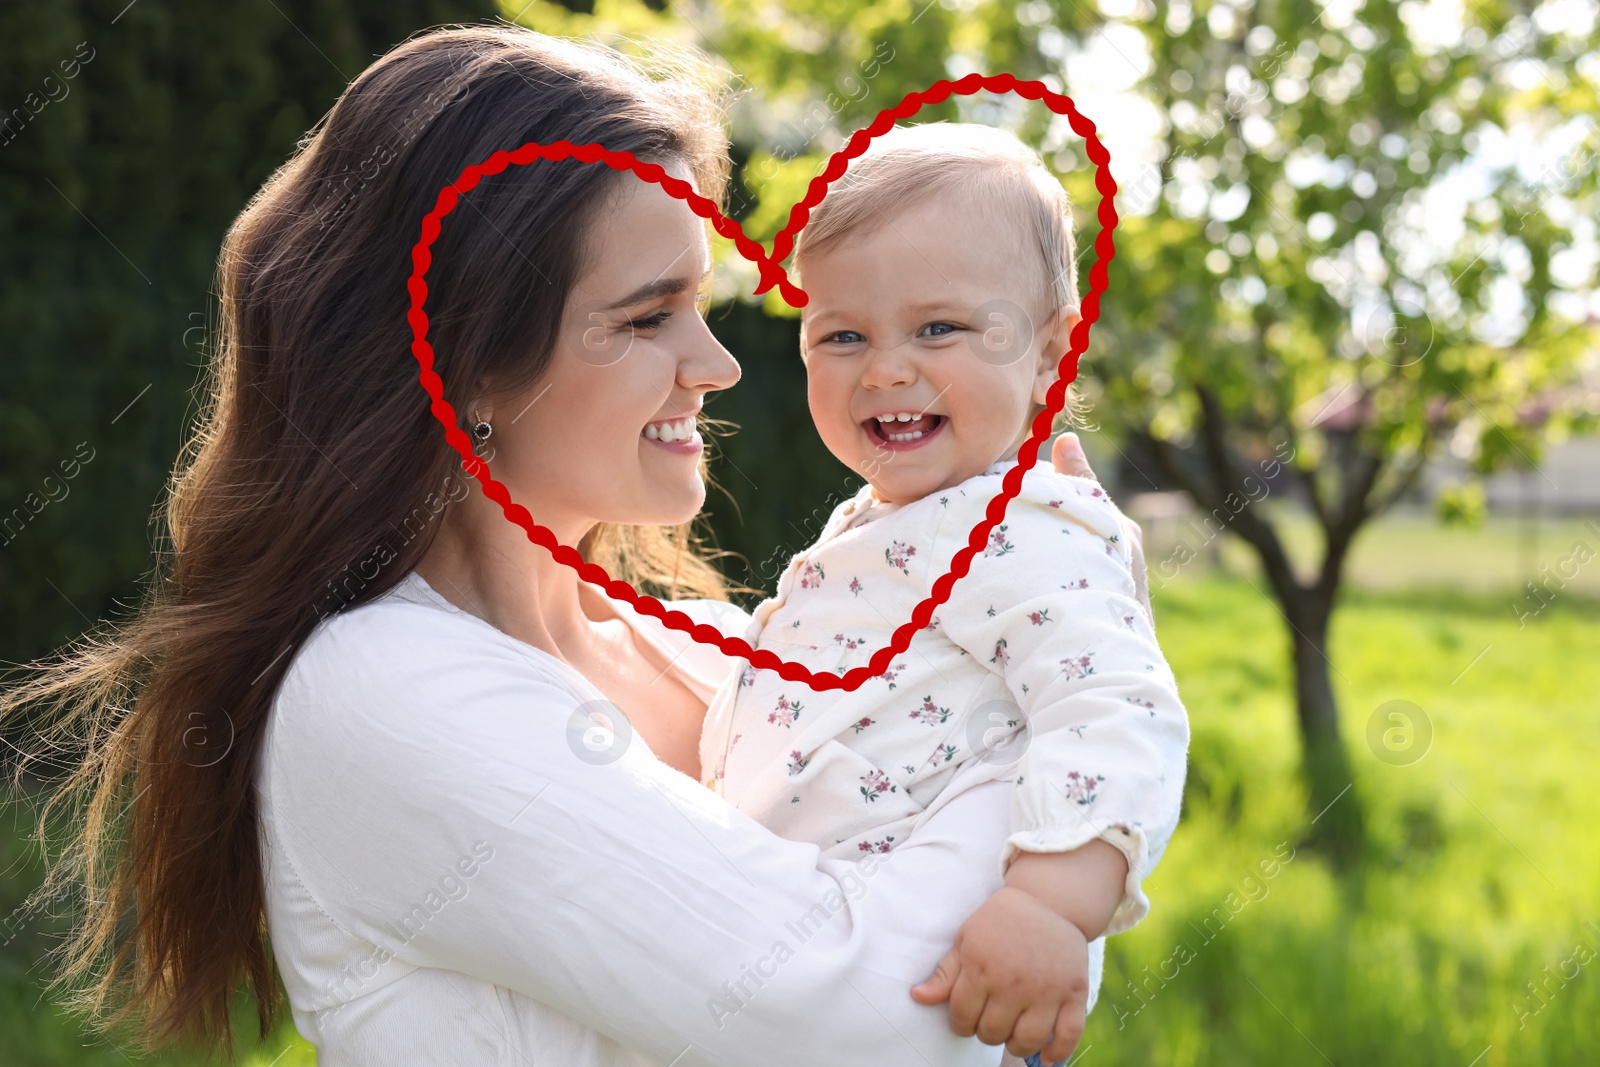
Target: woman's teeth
x,y
681,430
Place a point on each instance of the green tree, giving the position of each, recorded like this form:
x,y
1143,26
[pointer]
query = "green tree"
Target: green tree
x,y
1289,295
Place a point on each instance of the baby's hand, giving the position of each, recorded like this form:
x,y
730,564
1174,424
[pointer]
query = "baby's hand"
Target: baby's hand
x,y
1018,973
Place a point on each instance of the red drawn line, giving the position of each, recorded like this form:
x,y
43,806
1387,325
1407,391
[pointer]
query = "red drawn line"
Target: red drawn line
x,y
772,274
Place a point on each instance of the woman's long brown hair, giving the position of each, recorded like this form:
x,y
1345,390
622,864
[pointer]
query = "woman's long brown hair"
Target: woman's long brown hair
x,y
316,477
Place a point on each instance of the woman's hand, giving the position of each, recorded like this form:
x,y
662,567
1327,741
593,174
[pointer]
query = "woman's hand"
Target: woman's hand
x,y
1067,456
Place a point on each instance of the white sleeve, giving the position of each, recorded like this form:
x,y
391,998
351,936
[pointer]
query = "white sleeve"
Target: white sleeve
x,y
407,744
1052,607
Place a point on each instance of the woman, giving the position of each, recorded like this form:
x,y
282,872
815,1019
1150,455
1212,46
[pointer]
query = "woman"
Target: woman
x,y
360,708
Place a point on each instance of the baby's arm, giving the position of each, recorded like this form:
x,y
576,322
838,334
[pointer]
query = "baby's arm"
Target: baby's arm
x,y
1054,609
1083,886
1018,971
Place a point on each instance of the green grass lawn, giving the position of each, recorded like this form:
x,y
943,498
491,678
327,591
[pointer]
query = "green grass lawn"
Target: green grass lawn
x,y
36,1033
1483,865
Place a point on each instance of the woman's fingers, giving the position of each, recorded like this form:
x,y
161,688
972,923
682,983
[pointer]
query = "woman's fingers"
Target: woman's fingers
x,y
935,989
1067,456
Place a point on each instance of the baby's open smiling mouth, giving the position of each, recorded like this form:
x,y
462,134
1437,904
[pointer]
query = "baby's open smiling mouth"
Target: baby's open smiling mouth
x,y
903,430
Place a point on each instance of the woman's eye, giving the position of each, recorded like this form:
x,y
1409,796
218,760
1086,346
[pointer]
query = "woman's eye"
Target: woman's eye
x,y
650,322
939,329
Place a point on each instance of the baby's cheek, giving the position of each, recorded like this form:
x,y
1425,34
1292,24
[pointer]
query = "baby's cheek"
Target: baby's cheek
x,y
830,411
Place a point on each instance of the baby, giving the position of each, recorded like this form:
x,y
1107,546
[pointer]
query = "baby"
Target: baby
x,y
940,271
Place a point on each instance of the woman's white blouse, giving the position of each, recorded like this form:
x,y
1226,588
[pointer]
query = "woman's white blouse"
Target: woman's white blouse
x,y
456,873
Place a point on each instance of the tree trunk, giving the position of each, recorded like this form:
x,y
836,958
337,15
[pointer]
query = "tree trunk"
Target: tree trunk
x,y
1337,823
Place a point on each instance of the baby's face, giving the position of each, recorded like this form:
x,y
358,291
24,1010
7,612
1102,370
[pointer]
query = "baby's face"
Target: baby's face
x,y
938,314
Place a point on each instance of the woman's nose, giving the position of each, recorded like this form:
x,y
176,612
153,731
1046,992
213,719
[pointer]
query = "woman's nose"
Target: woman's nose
x,y
705,364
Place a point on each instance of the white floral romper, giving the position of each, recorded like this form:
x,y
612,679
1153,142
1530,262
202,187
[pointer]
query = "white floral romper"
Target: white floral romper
x,y
1042,659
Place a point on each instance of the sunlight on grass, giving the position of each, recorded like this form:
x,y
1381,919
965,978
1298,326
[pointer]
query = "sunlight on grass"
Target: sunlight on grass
x,y
1411,549
1482,869
292,1050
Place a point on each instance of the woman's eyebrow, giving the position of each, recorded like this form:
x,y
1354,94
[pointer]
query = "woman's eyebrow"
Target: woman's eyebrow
x,y
652,290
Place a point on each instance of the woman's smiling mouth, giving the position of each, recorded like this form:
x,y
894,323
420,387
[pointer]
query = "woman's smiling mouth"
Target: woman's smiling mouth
x,y
676,435
902,430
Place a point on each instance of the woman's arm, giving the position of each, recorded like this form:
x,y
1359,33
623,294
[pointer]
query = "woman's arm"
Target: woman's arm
x,y
623,894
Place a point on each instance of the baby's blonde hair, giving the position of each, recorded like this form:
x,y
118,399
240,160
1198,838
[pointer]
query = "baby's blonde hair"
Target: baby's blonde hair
x,y
909,164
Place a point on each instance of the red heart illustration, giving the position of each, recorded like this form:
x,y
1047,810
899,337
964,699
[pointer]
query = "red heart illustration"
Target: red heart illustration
x,y
772,273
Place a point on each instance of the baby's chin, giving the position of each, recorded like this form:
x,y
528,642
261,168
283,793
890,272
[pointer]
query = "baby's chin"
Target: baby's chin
x,y
903,487
893,494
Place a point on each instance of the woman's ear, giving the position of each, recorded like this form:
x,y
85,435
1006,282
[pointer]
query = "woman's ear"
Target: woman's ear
x,y
482,402
1056,339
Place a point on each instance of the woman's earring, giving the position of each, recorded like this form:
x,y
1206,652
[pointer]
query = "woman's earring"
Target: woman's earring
x,y
480,434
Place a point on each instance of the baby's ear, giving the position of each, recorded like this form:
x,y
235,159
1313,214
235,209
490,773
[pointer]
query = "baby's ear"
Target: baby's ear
x,y
1057,337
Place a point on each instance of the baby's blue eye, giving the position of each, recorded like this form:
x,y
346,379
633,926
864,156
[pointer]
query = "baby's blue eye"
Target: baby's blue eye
x,y
845,337
938,329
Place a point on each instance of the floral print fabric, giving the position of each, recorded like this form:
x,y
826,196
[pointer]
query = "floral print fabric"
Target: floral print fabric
x,y
1042,661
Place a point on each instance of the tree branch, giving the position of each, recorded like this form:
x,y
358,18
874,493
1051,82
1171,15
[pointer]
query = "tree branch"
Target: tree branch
x,y
1353,512
1170,459
1308,481
1256,531
1406,477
